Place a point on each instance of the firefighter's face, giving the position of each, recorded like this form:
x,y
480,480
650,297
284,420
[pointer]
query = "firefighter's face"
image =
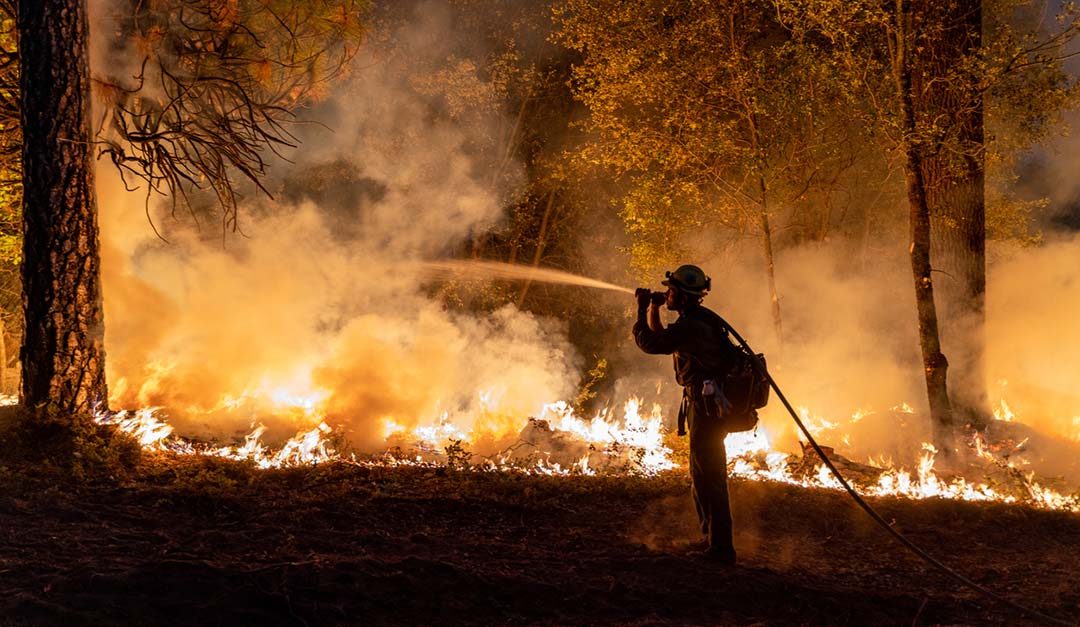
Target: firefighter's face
x,y
674,299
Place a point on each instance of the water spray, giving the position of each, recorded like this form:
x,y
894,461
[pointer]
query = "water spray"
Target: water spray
x,y
475,270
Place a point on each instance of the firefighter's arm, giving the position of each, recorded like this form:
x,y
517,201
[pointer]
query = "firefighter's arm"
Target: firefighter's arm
x,y
662,342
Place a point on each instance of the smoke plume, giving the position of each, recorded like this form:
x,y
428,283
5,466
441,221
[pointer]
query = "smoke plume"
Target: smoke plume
x,y
849,353
315,309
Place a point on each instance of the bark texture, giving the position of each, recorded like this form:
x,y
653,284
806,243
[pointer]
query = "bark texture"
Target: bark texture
x,y
935,366
950,113
63,350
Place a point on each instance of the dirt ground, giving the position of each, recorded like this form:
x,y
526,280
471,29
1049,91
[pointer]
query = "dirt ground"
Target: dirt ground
x,y
212,543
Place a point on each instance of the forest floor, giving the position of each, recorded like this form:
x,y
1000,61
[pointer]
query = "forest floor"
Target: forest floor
x,y
201,541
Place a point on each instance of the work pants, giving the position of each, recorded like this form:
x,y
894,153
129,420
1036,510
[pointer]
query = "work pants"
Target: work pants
x,y
708,474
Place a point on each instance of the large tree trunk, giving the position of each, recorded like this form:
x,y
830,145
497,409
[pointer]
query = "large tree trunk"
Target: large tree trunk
x,y
950,34
935,366
63,370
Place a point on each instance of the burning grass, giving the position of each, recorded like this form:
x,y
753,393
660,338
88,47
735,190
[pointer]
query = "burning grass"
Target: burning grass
x,y
632,442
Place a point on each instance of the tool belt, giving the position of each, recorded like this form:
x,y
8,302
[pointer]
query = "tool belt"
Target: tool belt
x,y
706,407
715,406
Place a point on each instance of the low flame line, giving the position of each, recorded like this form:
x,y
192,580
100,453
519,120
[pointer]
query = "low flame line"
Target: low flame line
x,y
632,445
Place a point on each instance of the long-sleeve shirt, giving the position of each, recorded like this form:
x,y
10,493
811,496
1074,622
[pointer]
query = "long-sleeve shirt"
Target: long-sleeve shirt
x,y
697,341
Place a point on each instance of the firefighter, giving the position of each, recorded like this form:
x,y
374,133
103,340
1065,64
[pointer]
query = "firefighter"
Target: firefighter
x,y
703,355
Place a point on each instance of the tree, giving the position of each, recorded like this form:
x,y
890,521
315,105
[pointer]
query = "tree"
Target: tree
x,y
507,83
10,193
943,73
945,85
935,365
216,87
975,54
227,77
712,116
63,344
952,75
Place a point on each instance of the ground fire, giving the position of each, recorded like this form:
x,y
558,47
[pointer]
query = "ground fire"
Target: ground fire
x,y
619,441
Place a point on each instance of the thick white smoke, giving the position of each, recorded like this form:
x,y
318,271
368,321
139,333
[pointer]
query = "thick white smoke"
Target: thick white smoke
x,y
316,308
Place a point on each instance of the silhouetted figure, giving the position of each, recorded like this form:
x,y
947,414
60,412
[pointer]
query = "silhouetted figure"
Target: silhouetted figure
x,y
703,356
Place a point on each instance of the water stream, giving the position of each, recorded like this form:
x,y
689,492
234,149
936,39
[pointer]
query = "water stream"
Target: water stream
x,y
496,270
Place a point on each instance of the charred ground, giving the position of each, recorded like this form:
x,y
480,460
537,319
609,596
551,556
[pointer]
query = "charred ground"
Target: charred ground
x,y
201,541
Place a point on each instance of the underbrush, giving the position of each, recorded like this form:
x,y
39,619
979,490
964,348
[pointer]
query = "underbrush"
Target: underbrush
x,y
62,448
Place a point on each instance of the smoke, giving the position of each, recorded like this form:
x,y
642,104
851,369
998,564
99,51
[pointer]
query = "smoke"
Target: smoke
x,y
849,353
848,341
316,309
1033,352
665,524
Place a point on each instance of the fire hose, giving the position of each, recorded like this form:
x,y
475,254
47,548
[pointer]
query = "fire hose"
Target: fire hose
x,y
908,544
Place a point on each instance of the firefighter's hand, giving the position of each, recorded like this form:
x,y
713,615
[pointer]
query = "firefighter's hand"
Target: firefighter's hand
x,y
643,296
658,298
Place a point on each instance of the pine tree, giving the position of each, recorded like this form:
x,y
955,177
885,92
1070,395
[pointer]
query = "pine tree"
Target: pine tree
x,y
63,352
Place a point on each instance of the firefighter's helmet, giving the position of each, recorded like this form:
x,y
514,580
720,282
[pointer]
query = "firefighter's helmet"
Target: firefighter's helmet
x,y
690,279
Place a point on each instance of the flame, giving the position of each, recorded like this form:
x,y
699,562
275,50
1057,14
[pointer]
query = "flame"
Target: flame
x,y
605,436
143,425
1003,412
924,484
153,433
443,430
634,431
815,424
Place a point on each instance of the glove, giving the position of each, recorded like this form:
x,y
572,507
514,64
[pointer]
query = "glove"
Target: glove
x,y
658,298
643,296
